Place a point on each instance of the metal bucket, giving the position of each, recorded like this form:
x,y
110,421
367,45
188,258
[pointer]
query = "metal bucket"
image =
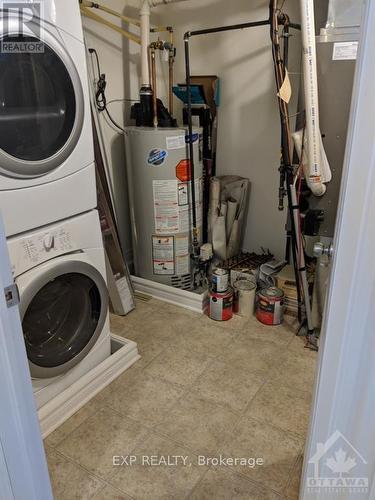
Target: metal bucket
x,y
244,297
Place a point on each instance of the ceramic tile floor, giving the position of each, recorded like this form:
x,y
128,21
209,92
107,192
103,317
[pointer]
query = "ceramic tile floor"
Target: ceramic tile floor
x,y
239,389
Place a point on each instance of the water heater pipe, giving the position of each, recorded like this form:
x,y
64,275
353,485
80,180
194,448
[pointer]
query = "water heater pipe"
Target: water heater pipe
x,y
313,153
154,92
144,15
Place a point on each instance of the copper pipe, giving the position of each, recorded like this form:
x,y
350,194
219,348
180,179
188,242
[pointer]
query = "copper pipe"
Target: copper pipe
x,y
160,29
170,68
170,90
153,80
101,20
94,5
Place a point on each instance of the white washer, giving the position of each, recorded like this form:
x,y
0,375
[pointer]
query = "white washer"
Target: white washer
x,y
61,278
46,150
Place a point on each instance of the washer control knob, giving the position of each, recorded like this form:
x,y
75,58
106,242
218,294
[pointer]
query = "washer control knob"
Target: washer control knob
x,y
48,241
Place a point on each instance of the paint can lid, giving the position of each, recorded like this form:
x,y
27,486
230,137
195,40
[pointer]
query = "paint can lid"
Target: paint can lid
x,y
219,271
244,284
272,292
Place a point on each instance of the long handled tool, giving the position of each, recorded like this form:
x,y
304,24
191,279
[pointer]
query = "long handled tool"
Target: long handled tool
x,y
287,176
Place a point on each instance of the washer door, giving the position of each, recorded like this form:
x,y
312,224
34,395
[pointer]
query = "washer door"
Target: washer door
x,y
41,105
63,313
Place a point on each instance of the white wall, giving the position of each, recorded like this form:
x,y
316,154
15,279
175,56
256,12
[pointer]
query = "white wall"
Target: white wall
x,y
120,61
249,130
248,120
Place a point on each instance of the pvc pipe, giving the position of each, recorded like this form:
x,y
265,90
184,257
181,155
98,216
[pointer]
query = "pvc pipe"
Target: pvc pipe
x,y
314,177
145,42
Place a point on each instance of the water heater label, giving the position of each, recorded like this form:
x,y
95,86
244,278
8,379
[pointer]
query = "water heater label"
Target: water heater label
x,y
182,255
156,157
163,254
175,142
185,211
166,209
183,193
345,51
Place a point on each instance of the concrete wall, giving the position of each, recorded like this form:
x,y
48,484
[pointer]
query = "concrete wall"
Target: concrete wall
x,y
248,120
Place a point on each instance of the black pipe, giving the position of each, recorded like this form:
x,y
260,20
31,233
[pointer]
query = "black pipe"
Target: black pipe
x,y
286,45
293,241
190,138
231,27
295,26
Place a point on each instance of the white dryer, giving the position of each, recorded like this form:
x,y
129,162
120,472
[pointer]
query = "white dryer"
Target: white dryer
x,y
61,278
46,150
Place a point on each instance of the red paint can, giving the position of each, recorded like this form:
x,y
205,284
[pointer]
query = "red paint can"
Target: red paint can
x,y
220,307
270,306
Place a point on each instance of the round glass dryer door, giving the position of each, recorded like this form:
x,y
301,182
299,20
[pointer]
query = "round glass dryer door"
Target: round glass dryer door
x,y
62,318
41,105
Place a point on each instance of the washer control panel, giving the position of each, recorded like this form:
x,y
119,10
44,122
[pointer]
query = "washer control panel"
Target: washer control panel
x,y
34,249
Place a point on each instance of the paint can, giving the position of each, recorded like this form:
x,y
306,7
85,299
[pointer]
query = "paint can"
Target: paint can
x,y
270,305
220,280
244,297
220,305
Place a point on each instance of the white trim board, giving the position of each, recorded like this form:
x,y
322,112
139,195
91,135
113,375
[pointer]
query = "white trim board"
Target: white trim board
x,y
23,466
166,293
68,402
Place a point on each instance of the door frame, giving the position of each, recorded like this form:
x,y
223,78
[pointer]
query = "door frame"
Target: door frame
x,y
23,466
344,396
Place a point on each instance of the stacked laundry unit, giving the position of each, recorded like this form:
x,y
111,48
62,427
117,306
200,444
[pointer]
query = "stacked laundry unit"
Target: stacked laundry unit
x,y
48,194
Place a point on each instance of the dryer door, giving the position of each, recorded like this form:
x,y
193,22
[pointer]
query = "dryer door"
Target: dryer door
x,y
63,313
41,104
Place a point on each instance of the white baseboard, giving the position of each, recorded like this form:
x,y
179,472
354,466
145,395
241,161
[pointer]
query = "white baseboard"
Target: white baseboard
x,y
68,402
183,298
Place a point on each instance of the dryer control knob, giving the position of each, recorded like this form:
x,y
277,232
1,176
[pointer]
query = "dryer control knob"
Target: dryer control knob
x,y
48,241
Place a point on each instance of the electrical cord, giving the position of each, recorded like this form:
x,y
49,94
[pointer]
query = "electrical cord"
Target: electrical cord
x,y
100,97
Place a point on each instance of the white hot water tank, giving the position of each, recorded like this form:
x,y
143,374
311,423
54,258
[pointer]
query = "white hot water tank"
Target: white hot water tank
x,y
160,202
